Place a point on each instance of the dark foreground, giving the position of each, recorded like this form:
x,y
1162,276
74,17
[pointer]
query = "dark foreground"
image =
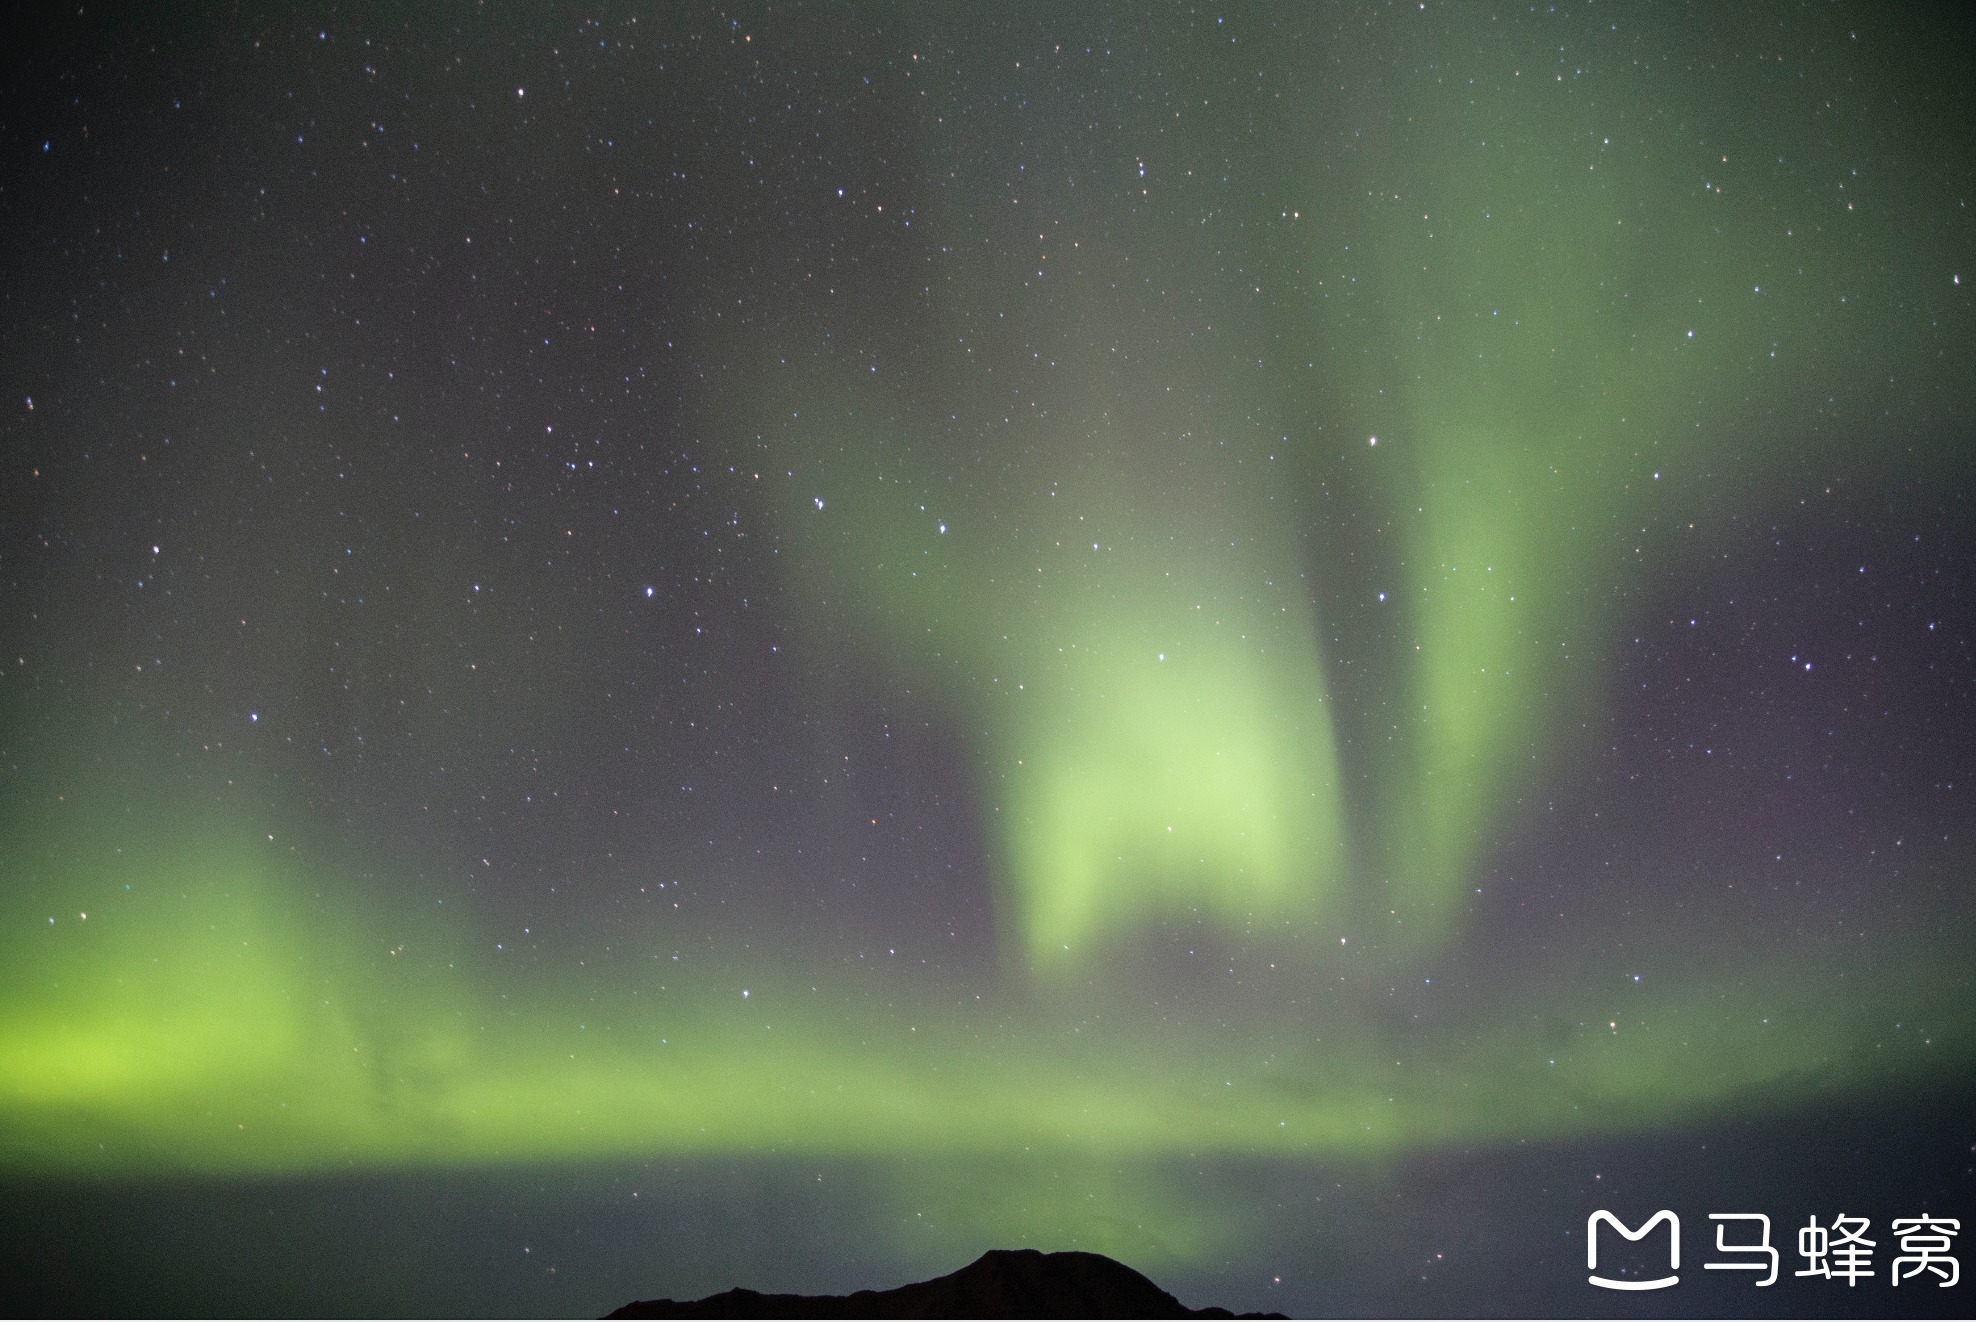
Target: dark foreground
x,y
1000,1283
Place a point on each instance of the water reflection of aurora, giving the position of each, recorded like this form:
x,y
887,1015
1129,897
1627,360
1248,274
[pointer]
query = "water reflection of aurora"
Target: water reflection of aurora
x,y
1257,512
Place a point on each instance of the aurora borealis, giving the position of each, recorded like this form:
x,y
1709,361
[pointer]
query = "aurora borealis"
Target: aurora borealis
x,y
895,631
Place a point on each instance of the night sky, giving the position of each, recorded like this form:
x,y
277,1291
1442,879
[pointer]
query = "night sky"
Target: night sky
x,y
657,647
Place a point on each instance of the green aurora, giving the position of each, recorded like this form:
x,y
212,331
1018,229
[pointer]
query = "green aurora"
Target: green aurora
x,y
1259,488
220,1017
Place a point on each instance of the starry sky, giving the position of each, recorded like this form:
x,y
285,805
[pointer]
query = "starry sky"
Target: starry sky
x,y
657,647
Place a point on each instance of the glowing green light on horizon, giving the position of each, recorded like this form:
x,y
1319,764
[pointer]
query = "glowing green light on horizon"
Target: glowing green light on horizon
x,y
221,1016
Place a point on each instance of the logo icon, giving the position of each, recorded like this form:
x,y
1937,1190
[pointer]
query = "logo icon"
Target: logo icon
x,y
1673,1248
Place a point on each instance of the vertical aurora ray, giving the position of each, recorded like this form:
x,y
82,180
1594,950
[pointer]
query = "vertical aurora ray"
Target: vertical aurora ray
x,y
1563,310
1141,662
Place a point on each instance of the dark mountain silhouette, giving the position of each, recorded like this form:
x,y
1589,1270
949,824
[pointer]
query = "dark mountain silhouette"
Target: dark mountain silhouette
x,y
1000,1283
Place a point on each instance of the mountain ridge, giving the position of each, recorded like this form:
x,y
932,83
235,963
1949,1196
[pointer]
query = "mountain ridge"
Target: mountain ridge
x,y
1001,1283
